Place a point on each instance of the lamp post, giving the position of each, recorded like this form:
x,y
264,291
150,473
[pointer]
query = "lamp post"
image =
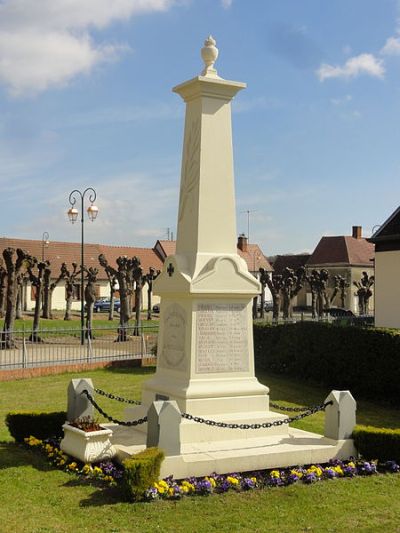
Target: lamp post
x,y
45,242
73,213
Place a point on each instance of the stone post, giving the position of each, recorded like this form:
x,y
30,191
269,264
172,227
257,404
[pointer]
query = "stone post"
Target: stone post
x,y
340,418
78,404
163,427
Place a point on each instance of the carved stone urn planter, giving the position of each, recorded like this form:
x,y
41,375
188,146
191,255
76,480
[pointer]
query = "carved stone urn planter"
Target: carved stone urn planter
x,y
87,446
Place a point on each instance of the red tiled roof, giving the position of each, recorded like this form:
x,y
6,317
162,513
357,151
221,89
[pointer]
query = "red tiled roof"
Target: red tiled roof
x,y
343,250
254,258
69,252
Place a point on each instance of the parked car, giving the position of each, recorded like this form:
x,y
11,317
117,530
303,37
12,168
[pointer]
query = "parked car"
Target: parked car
x,y
340,312
103,305
268,306
156,308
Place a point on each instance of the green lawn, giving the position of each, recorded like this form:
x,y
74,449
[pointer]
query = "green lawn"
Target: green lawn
x,y
37,498
100,320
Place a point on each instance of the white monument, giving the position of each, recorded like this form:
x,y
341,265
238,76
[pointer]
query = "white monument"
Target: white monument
x,y
205,363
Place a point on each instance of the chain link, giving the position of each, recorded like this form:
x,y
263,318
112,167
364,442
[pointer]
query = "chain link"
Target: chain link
x,y
137,402
117,398
291,409
264,425
110,418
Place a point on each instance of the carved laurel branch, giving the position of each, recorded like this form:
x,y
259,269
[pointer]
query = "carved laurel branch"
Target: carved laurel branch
x,y
190,166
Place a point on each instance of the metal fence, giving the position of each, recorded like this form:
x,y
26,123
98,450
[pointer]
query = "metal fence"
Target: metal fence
x,y
63,347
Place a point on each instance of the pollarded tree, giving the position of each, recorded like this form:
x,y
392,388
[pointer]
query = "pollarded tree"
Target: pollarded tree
x,y
113,283
48,289
364,292
36,270
90,298
123,275
340,284
149,278
292,283
70,282
3,287
274,284
318,281
14,267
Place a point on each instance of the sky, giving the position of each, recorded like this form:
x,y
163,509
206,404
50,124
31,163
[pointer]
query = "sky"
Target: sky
x,y
86,101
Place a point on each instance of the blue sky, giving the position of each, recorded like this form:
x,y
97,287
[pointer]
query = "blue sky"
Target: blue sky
x,y
85,100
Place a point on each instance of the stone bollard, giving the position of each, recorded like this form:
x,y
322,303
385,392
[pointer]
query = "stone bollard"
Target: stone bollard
x,y
340,418
163,427
78,403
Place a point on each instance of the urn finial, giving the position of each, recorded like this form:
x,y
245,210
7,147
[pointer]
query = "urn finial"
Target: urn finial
x,y
209,54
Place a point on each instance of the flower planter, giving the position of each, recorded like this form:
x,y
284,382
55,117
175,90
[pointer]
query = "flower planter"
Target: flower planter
x,y
87,446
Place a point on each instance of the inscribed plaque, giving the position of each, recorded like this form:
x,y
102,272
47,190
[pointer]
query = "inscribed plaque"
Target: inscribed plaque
x,y
222,340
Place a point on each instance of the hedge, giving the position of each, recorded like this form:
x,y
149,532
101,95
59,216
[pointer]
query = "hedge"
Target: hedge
x,y
363,360
23,424
377,443
141,471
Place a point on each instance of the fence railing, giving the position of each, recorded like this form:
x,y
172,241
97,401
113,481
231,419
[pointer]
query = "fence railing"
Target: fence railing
x,y
63,347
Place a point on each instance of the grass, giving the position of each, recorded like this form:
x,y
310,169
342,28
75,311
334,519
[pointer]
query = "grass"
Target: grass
x,y
41,499
100,320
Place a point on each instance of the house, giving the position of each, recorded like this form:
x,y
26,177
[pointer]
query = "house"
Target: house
x,y
348,256
387,270
69,252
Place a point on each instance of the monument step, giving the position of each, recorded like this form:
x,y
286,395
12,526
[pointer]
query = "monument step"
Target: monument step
x,y
240,455
244,455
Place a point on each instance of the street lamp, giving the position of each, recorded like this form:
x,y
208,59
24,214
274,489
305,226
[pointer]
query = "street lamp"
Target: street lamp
x,y
73,213
45,242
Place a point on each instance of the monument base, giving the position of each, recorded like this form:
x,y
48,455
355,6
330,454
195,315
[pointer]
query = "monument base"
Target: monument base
x,y
297,447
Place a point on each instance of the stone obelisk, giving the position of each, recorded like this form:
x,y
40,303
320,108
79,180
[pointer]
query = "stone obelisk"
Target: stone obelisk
x,y
205,345
205,360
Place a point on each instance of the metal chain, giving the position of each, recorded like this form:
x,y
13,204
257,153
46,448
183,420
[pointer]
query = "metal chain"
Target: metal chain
x,y
291,409
263,425
117,398
110,418
214,423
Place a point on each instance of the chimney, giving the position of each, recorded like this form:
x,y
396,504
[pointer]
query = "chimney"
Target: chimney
x,y
357,232
242,242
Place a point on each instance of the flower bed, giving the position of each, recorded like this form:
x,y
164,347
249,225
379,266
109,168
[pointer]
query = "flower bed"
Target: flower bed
x,y
105,472
110,474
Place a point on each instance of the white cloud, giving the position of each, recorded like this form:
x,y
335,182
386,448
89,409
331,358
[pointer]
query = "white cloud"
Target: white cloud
x,y
355,66
226,4
392,46
47,43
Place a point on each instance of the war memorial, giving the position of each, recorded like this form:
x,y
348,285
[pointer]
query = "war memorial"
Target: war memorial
x,y
204,406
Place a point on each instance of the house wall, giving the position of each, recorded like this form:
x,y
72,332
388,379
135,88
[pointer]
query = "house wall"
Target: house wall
x,y
387,289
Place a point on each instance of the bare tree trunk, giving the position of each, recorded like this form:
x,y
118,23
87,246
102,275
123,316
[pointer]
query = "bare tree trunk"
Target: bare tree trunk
x,y
13,271
3,289
18,306
90,298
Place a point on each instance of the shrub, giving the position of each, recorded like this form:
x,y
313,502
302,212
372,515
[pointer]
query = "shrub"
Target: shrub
x,y
380,443
23,424
364,360
141,471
